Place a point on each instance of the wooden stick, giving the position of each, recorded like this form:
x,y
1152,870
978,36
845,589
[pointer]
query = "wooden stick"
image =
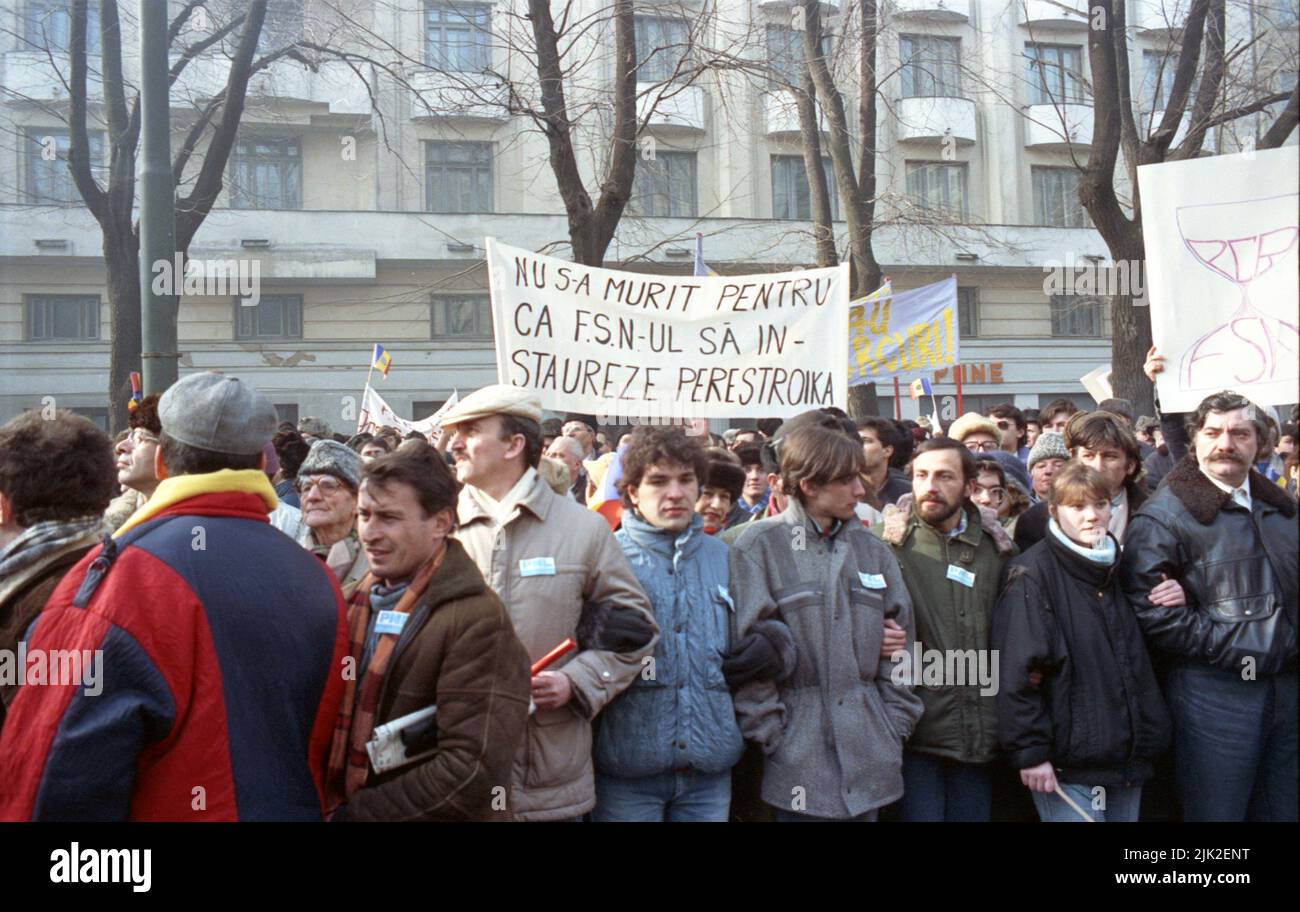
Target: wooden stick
x,y
1070,801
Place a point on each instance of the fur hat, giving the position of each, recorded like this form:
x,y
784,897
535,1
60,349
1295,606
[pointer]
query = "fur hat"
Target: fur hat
x,y
725,475
970,423
329,457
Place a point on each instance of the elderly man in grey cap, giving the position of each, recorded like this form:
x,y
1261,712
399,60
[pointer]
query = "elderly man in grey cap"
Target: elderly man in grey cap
x,y
217,644
561,575
327,483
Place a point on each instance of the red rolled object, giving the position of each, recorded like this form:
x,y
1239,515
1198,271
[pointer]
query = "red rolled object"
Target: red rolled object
x,y
549,659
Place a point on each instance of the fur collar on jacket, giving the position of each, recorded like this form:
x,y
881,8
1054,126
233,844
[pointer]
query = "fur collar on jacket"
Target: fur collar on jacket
x,y
897,517
1203,499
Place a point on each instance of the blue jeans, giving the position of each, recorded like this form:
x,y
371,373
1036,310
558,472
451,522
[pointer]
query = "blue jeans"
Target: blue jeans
x,y
1121,804
938,790
784,816
688,797
1234,744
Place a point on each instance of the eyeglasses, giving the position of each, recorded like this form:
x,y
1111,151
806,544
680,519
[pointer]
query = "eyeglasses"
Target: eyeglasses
x,y
329,485
996,495
139,437
982,446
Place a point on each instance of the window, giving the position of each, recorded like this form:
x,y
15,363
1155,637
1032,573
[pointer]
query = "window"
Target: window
x,y
266,174
287,411
1158,71
458,176
423,408
1056,198
663,48
460,316
1055,73
47,25
665,185
1076,315
968,311
48,178
274,317
938,186
931,65
62,318
457,37
791,198
282,25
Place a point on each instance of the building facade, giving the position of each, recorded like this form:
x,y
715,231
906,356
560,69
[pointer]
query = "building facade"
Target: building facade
x,y
361,187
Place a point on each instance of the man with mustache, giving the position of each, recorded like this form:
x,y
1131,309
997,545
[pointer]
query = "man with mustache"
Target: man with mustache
x,y
951,556
1229,536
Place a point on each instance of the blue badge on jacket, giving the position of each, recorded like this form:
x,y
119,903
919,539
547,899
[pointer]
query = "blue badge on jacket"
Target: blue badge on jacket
x,y
390,621
872,580
961,575
537,566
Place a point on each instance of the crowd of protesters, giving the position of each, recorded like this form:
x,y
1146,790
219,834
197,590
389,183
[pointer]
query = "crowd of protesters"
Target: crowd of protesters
x,y
1059,615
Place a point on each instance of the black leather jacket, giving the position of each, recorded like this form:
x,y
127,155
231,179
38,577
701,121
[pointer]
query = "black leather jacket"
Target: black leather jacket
x,y
1237,567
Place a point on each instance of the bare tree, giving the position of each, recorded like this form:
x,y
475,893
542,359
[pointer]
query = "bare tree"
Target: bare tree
x,y
215,125
1200,46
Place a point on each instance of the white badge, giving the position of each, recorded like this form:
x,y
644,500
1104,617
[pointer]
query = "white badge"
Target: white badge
x,y
872,580
961,575
537,566
390,621
726,597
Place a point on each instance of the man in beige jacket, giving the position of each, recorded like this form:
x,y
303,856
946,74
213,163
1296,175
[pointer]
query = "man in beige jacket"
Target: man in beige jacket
x,y
560,573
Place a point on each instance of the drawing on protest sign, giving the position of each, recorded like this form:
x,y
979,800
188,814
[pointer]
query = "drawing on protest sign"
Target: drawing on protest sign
x,y
633,345
906,332
376,413
1221,243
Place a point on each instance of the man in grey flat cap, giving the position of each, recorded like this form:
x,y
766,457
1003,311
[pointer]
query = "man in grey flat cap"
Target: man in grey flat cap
x,y
561,574
218,646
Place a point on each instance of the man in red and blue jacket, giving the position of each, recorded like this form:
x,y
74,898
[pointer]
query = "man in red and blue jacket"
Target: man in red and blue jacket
x,y
219,646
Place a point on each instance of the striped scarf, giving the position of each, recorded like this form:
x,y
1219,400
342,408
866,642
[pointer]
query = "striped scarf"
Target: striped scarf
x,y
349,763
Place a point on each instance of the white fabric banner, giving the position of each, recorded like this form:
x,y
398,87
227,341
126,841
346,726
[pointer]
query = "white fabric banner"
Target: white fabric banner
x,y
635,345
376,413
1221,246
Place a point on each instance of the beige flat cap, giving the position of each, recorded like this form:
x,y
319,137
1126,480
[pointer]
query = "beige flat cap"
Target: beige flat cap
x,y
497,399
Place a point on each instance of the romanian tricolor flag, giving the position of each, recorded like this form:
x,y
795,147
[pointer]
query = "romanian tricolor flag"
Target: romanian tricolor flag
x,y
382,360
605,473
921,388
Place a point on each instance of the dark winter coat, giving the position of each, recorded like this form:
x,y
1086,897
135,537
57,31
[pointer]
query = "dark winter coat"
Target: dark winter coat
x,y
1098,715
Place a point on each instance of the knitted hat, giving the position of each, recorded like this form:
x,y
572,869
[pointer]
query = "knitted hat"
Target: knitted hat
x,y
726,475
329,457
1049,445
316,427
970,423
210,411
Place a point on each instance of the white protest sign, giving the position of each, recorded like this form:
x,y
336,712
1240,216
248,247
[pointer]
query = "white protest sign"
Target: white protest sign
x,y
1221,246
376,413
631,345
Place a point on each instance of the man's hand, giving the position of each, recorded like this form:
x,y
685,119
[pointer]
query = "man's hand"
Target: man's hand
x,y
895,640
551,689
1154,364
1040,778
1168,594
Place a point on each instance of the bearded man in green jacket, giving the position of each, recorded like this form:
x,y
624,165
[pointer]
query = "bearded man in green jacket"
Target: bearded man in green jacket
x,y
951,556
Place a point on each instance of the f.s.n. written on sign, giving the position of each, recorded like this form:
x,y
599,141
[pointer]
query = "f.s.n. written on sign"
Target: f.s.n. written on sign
x,y
909,334
605,341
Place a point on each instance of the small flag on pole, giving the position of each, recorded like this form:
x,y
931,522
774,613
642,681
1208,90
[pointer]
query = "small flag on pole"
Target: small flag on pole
x,y
383,360
701,268
920,388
